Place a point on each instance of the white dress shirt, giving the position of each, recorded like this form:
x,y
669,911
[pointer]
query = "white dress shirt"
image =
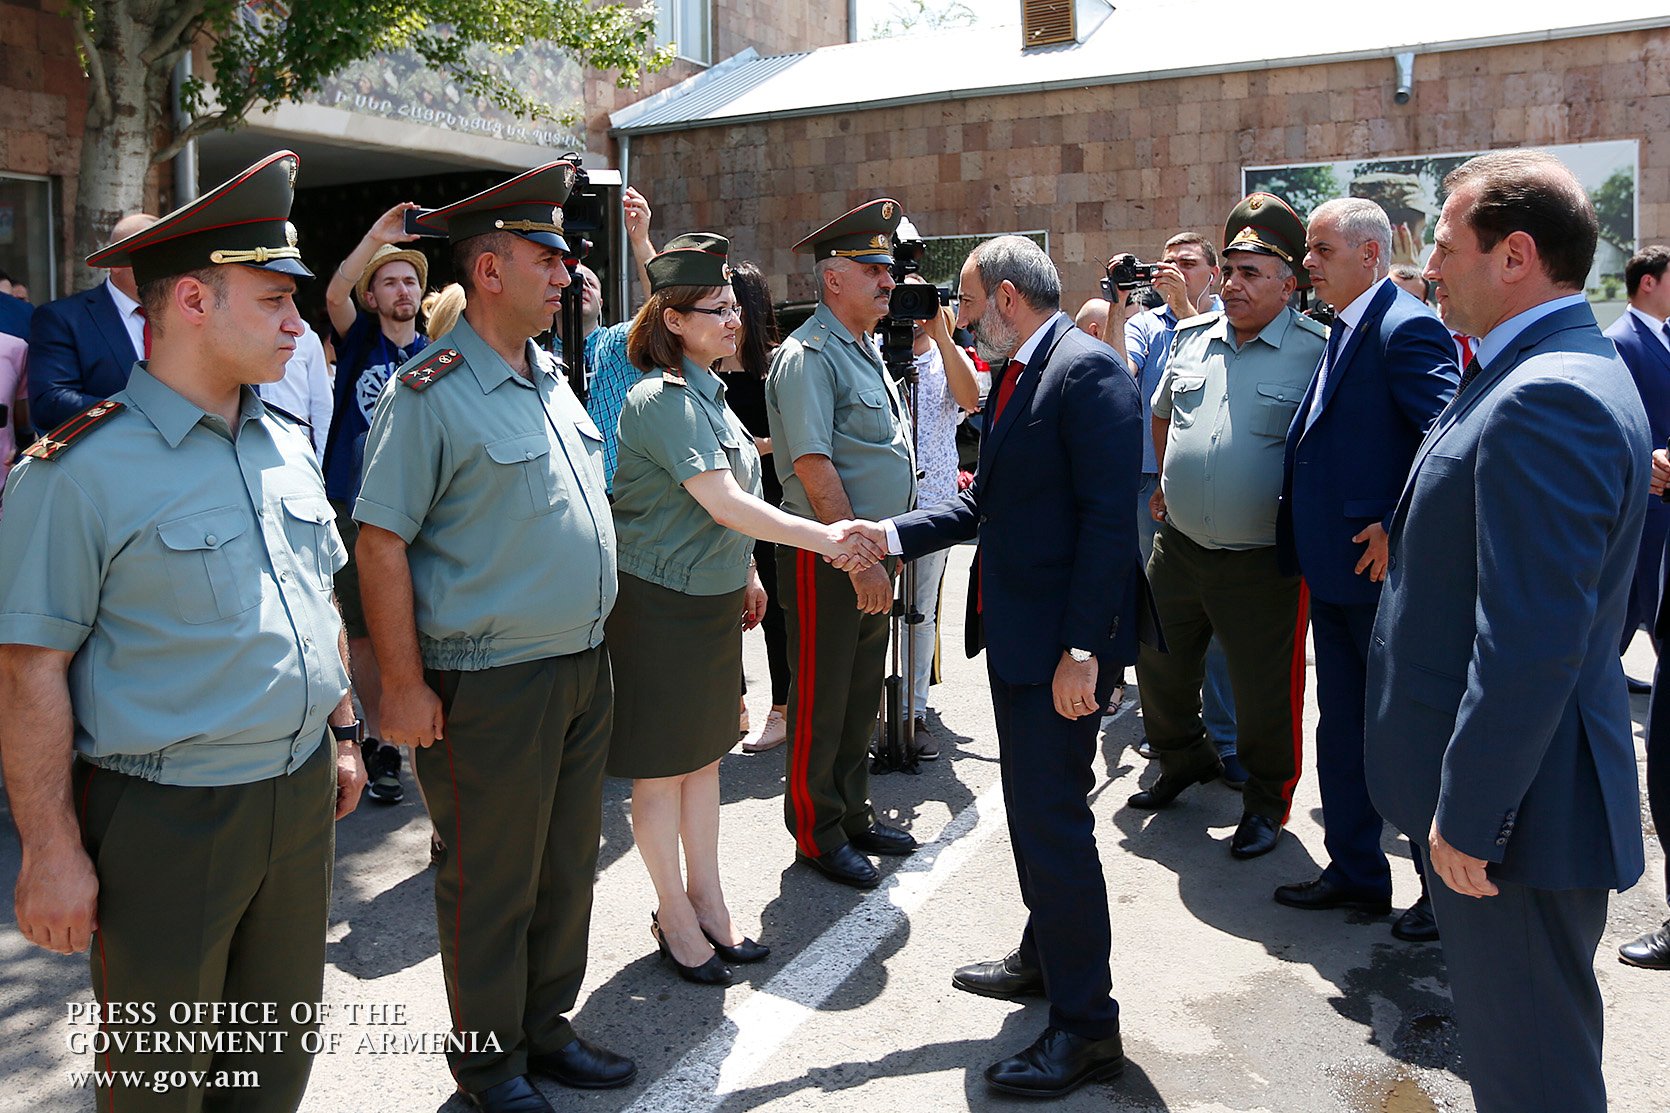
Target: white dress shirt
x,y
132,319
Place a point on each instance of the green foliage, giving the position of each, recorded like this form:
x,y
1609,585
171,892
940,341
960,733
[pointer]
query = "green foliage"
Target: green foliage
x,y
910,16
1614,201
1302,187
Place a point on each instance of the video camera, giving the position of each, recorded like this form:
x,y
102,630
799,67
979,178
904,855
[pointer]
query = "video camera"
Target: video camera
x,y
1124,272
909,303
584,214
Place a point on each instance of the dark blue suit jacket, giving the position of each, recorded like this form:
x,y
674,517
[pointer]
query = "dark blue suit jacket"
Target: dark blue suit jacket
x,y
1394,375
1051,504
14,316
1648,361
79,353
1496,701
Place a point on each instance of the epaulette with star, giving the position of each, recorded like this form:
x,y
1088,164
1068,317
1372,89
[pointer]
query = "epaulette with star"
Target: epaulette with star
x,y
53,445
672,378
427,371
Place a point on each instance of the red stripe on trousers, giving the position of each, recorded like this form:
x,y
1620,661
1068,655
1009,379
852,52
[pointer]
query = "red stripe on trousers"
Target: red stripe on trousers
x,y
98,936
805,678
456,850
1296,698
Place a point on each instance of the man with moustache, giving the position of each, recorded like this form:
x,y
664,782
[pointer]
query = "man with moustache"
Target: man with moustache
x,y
1058,595
371,339
1220,418
170,662
842,448
488,553
1498,731
1388,371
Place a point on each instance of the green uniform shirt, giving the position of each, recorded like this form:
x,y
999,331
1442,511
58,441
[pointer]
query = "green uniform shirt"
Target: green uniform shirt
x,y
828,394
1229,410
495,483
672,429
190,575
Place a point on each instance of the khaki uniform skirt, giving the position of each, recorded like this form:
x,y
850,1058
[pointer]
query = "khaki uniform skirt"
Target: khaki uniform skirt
x,y
677,662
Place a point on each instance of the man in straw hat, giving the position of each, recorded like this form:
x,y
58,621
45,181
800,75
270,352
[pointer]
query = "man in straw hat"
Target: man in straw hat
x,y
179,734
488,554
371,339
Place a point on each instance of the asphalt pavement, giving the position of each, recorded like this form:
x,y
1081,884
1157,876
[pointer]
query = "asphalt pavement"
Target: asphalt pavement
x,y
1230,1003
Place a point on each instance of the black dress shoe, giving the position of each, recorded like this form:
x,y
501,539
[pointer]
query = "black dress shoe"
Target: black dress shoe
x,y
882,839
1638,687
746,951
1145,748
1004,978
585,1066
712,972
846,865
1418,925
1057,1064
1256,835
1171,785
516,1095
1650,950
1326,893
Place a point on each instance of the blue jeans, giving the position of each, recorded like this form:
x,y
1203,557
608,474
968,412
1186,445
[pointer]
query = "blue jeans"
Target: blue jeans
x,y
1217,705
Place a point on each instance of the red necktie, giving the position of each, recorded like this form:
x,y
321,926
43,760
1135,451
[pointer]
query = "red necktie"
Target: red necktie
x,y
1011,375
146,354
1465,342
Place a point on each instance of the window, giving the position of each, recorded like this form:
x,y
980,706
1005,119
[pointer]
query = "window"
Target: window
x,y
27,243
688,24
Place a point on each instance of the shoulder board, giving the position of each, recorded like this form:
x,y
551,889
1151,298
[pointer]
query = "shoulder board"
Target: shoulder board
x,y
1199,321
815,339
425,372
670,379
54,444
280,411
1311,325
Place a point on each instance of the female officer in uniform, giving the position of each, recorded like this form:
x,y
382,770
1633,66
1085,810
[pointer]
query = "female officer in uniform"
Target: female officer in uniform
x,y
687,511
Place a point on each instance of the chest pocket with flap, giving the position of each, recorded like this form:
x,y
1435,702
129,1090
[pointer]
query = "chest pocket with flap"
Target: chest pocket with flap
x,y
527,458
212,564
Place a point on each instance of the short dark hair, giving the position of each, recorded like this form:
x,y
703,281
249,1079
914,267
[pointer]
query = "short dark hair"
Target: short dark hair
x,y
650,344
760,333
466,251
1199,241
1535,193
155,295
1649,260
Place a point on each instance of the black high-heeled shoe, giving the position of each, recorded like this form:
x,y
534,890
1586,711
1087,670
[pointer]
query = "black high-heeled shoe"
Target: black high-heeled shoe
x,y
746,951
712,972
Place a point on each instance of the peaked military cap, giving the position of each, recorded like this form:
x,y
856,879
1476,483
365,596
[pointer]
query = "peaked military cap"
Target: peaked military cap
x,y
530,205
245,220
864,235
1265,224
693,259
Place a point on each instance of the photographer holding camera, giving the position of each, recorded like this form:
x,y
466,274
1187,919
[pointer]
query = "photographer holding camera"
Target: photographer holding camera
x,y
1187,277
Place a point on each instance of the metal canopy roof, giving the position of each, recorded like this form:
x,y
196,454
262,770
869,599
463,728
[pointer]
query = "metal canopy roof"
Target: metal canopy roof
x,y
1139,42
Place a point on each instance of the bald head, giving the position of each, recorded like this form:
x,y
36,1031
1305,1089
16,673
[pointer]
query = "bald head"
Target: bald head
x,y
1093,317
122,277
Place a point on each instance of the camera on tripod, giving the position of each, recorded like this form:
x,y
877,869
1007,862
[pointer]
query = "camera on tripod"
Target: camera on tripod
x,y
584,215
909,303
1124,272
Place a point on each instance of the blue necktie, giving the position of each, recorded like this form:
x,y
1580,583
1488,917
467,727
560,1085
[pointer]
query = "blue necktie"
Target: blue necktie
x,y
1336,337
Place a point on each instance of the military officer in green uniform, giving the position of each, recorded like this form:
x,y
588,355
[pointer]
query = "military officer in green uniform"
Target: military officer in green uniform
x,y
1220,416
487,568
842,450
173,670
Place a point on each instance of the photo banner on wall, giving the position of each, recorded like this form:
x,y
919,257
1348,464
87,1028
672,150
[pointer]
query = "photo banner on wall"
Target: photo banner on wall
x,y
1411,190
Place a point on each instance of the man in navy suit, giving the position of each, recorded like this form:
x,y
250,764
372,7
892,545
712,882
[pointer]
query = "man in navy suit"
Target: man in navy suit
x,y
1057,591
82,347
1388,371
1642,339
1499,732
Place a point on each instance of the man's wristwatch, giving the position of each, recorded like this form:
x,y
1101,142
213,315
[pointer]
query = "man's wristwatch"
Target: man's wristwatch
x,y
1080,656
353,732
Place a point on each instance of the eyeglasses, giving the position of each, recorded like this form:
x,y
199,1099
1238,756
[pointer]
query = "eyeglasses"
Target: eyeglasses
x,y
723,312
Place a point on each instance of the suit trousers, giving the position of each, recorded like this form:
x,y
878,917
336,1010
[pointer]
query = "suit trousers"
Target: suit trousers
x,y
212,894
516,791
1658,765
1522,975
1351,827
1045,764
840,658
1259,615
